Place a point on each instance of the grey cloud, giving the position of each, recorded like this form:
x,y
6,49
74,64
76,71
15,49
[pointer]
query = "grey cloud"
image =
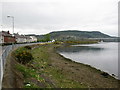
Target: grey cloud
x,y
45,16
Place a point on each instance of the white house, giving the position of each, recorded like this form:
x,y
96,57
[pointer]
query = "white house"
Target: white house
x,y
20,38
28,39
33,39
53,40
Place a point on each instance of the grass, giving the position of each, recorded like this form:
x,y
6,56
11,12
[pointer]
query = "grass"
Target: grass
x,y
48,69
40,66
42,59
81,42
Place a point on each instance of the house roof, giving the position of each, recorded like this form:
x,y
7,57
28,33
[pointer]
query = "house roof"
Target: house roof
x,y
21,36
16,35
5,33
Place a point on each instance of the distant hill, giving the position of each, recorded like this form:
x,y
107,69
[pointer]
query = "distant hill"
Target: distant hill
x,y
77,35
74,34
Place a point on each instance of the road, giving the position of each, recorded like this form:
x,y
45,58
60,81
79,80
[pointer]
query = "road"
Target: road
x,y
2,48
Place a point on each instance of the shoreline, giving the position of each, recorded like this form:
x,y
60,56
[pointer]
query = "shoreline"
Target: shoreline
x,y
85,65
88,66
49,69
111,74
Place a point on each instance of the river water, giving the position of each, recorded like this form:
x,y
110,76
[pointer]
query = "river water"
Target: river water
x,y
103,56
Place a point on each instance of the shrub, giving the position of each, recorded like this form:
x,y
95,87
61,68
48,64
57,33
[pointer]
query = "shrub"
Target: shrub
x,y
57,42
23,56
28,47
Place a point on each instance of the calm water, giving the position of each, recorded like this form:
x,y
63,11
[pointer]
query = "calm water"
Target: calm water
x,y
103,56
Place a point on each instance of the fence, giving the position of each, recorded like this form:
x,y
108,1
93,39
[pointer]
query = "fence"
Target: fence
x,y
3,61
3,57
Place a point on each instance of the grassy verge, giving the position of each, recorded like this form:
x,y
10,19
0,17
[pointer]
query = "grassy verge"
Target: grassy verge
x,y
48,69
40,72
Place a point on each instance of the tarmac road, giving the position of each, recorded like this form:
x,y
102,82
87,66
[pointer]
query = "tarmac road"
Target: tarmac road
x,y
2,48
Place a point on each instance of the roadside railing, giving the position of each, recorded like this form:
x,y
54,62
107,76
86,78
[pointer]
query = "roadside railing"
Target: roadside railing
x,y
4,55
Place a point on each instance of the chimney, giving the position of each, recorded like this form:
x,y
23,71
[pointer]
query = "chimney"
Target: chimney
x,y
8,32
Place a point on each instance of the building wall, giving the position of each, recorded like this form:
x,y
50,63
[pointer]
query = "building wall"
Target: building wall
x,y
21,40
9,39
33,39
1,39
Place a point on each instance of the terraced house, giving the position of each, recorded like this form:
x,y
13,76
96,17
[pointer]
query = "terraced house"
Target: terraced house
x,y
6,37
20,38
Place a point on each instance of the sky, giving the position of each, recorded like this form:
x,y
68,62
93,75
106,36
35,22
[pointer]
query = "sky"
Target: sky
x,y
44,16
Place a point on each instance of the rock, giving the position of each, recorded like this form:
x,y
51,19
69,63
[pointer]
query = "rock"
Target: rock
x,y
105,74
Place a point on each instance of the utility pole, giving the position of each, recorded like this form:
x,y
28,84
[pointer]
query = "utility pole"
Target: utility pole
x,y
12,22
12,26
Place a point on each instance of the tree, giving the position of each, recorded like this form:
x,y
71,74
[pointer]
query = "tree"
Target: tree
x,y
47,37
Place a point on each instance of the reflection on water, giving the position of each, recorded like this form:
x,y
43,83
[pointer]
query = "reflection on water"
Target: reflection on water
x,y
79,49
103,56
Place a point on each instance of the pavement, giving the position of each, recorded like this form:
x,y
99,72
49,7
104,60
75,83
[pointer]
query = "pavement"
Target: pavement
x,y
2,48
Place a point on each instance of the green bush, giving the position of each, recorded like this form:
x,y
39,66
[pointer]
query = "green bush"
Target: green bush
x,y
57,42
23,56
28,47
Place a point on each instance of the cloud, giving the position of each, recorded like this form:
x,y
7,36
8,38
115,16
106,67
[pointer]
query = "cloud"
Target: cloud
x,y
44,16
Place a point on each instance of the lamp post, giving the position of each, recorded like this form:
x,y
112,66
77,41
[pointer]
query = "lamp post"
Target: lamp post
x,y
12,22
13,27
